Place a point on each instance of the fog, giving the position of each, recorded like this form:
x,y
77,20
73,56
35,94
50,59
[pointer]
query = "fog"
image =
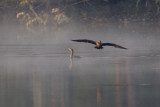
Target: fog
x,y
36,70
134,36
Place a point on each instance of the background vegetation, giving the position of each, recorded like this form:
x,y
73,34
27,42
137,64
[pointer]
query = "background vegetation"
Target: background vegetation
x,y
59,12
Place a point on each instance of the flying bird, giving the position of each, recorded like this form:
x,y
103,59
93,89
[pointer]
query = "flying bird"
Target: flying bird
x,y
99,44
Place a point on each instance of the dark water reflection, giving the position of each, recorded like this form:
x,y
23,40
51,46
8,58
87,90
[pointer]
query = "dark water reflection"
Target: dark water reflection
x,y
53,80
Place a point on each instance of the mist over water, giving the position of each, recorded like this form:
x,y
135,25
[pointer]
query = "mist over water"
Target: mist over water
x,y
36,70
134,36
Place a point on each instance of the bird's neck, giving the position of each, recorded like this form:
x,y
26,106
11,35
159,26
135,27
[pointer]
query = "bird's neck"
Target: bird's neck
x,y
71,54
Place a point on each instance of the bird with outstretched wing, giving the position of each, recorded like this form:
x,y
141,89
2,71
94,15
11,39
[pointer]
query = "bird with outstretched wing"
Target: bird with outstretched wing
x,y
99,44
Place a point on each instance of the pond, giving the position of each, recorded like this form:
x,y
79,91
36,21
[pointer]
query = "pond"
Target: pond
x,y
41,74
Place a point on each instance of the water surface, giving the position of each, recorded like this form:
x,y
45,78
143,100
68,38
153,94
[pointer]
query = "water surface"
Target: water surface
x,y
43,75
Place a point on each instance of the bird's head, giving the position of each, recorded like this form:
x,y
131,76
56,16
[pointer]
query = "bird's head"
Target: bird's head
x,y
70,49
99,42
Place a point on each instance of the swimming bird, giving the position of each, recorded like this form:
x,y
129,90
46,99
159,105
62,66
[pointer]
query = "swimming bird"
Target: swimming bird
x,y
72,52
99,44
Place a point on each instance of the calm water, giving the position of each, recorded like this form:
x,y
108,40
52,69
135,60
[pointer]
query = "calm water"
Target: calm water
x,y
44,76
53,80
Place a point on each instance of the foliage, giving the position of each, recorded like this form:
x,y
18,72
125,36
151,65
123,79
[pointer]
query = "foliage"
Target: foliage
x,y
39,13
59,17
32,19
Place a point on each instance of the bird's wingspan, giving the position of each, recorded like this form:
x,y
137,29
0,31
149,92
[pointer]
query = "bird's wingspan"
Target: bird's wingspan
x,y
85,40
112,44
